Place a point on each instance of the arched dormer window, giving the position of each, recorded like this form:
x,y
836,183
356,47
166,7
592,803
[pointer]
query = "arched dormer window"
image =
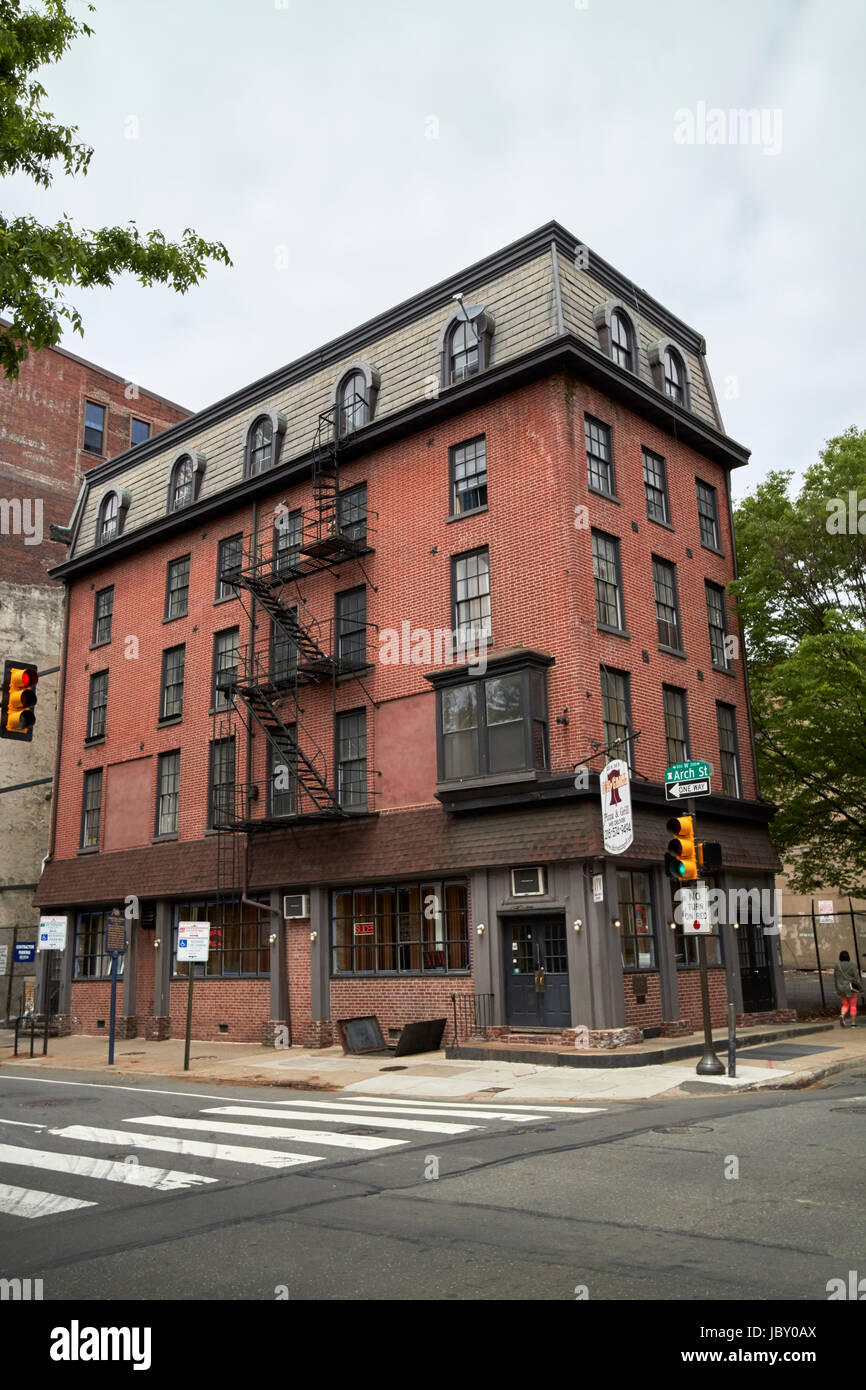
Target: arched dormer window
x,y
670,373
674,376
184,480
263,442
354,397
617,335
112,515
621,341
109,519
464,344
181,484
354,409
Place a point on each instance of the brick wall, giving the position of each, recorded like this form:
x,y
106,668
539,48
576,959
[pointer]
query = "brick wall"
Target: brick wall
x,y
648,1015
242,1004
42,437
398,1002
689,983
536,467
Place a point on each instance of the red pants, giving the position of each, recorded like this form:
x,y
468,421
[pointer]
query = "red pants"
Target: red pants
x,y
849,1005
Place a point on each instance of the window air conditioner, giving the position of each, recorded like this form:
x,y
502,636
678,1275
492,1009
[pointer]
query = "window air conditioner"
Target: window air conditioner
x,y
296,905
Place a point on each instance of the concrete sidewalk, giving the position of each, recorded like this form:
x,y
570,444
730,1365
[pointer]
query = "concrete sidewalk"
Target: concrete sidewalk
x,y
791,1062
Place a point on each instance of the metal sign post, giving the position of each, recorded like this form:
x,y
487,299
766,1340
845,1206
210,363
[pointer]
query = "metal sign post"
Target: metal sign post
x,y
115,941
193,944
709,1065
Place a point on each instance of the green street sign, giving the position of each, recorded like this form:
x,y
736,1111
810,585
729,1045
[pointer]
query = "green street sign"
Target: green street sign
x,y
688,772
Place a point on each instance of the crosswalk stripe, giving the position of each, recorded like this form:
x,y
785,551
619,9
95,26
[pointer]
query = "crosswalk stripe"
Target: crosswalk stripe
x,y
82,1166
391,1121
192,1148
462,1112
301,1136
517,1109
27,1201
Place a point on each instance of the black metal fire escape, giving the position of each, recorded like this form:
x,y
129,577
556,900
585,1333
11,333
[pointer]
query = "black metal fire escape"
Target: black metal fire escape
x,y
261,692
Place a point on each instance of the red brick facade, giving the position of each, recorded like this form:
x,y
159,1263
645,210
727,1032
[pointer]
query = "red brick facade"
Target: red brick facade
x,y
537,529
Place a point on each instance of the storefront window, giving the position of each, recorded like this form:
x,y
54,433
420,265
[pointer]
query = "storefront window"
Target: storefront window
x,y
637,931
408,929
239,943
92,961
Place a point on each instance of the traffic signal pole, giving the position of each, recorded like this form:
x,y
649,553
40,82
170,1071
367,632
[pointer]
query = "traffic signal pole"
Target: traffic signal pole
x,y
709,1065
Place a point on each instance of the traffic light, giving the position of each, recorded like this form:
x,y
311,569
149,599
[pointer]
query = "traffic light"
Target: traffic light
x,y
681,859
18,716
709,855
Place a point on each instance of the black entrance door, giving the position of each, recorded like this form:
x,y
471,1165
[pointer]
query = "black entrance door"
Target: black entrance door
x,y
536,973
755,970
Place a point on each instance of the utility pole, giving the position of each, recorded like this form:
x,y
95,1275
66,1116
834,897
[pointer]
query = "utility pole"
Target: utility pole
x,y
710,1064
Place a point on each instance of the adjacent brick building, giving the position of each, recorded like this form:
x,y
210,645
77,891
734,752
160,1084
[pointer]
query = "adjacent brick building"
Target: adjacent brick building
x,y
61,417
347,651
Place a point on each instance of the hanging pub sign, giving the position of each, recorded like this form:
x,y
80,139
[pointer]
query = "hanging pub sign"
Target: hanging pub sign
x,y
616,807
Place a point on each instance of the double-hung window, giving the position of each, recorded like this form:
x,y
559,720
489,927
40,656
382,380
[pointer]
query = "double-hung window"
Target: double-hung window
x,y
173,664
606,578
729,757
468,476
225,666
656,487
351,621
168,781
676,728
616,714
177,587
667,609
708,514
97,705
103,612
222,782
470,597
91,810
717,624
599,456
230,552
351,734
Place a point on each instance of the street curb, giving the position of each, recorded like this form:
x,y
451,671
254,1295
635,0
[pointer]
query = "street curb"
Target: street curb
x,y
800,1080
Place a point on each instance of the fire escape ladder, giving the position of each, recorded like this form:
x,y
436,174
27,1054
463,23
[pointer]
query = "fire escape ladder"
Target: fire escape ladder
x,y
308,777
325,475
303,636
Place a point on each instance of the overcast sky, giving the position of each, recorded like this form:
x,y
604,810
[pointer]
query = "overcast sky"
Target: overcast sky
x,y
306,125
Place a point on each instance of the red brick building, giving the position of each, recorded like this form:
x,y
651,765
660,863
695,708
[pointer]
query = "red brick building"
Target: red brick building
x,y
62,416
346,654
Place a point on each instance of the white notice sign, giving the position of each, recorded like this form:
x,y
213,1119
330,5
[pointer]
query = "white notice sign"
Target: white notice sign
x,y
4,959
598,888
825,912
616,807
693,902
193,940
52,934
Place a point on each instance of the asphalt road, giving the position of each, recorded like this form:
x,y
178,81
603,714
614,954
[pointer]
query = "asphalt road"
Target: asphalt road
x,y
184,1200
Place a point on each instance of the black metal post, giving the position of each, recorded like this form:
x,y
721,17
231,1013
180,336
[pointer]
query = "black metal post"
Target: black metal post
x,y
32,1031
854,934
454,1007
818,957
17,1026
112,1015
45,1035
709,1065
191,967
11,971
732,1039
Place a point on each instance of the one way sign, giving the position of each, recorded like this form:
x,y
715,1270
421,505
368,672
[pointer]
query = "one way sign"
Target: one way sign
x,y
674,791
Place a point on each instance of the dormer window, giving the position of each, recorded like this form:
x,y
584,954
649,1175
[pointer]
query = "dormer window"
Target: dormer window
x,y
260,446
353,404
622,341
674,376
181,484
465,344
669,372
112,515
109,519
184,480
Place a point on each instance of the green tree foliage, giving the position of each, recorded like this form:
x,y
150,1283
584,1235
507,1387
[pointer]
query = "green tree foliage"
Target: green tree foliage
x,y
802,601
38,263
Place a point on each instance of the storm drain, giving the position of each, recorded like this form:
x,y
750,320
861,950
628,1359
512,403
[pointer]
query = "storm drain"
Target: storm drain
x,y
393,1068
850,1109
682,1129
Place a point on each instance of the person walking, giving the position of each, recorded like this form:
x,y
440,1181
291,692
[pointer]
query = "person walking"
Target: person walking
x,y
848,984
